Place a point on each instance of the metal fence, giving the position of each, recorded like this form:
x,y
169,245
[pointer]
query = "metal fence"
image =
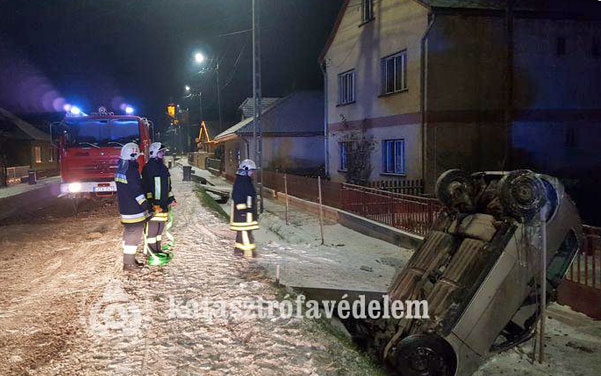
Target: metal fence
x,y
407,212
411,213
586,268
407,187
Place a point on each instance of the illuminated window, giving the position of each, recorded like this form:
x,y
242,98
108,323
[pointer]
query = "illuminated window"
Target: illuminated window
x,y
37,153
346,87
393,156
394,73
367,10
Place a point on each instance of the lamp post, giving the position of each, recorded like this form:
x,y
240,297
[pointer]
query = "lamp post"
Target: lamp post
x,y
200,58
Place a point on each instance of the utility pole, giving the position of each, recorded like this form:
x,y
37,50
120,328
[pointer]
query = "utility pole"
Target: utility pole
x,y
219,96
200,103
257,139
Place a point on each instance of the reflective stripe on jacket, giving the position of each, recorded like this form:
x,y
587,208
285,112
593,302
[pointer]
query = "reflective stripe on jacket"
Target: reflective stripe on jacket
x,y
130,195
243,215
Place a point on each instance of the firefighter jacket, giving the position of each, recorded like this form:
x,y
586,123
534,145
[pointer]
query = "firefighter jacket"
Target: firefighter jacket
x,y
157,185
243,216
131,197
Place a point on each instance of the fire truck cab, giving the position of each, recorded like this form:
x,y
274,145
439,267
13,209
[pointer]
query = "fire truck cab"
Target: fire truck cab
x,y
89,148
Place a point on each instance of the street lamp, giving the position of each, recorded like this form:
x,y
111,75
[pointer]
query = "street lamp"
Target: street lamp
x,y
187,88
199,57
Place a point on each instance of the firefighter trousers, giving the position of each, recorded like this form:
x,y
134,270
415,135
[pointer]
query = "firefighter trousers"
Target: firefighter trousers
x,y
245,242
154,235
132,235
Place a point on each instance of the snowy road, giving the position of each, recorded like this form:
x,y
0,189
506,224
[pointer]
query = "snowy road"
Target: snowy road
x,y
65,316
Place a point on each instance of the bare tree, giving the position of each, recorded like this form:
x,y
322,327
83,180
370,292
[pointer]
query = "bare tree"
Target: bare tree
x,y
359,147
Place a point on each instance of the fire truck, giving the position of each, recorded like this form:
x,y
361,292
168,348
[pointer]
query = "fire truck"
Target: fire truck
x,y
89,148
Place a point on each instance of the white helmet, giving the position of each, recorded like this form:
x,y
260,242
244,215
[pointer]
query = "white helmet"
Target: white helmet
x,y
130,152
247,164
154,149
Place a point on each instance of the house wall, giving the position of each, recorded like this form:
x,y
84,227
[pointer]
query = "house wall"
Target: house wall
x,y
465,95
557,126
398,25
557,101
232,155
293,153
21,153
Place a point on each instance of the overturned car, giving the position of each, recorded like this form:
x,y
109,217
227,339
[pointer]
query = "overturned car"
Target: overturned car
x,y
479,269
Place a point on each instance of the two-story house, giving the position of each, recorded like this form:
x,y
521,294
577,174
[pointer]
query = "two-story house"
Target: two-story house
x,y
479,84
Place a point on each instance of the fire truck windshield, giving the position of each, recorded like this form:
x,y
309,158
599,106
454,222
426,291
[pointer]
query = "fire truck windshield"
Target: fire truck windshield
x,y
101,132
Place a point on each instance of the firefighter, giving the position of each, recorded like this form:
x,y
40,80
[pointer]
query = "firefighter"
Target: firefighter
x,y
157,185
133,205
243,216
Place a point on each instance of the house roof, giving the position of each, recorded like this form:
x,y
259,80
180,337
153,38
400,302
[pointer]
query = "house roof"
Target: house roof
x,y
465,4
247,107
299,112
571,6
231,132
20,129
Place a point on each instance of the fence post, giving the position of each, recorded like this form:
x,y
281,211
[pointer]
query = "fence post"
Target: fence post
x,y
320,209
286,193
543,283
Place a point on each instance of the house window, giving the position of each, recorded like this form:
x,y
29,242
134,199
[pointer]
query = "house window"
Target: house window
x,y
37,153
367,10
346,87
571,139
393,155
394,73
344,146
561,46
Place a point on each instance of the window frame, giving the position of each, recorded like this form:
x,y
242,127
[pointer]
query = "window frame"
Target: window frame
x,y
398,86
346,95
396,168
367,11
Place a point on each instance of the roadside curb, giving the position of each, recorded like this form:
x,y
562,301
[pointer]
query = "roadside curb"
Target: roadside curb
x,y
29,200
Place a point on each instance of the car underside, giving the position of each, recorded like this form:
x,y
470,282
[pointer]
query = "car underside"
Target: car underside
x,y
479,270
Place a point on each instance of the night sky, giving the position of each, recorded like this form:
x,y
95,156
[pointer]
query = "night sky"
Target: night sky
x,y
101,52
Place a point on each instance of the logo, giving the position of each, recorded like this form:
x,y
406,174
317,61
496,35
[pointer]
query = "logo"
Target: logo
x,y
113,313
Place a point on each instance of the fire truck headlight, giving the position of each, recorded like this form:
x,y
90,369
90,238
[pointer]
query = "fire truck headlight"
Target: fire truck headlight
x,y
129,110
74,187
74,110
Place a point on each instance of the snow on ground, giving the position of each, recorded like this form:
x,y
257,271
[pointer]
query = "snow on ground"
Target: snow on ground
x,y
573,344
24,187
64,299
573,340
66,307
347,259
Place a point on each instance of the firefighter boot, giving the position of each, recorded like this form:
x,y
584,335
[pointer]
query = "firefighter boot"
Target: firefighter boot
x,y
130,264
